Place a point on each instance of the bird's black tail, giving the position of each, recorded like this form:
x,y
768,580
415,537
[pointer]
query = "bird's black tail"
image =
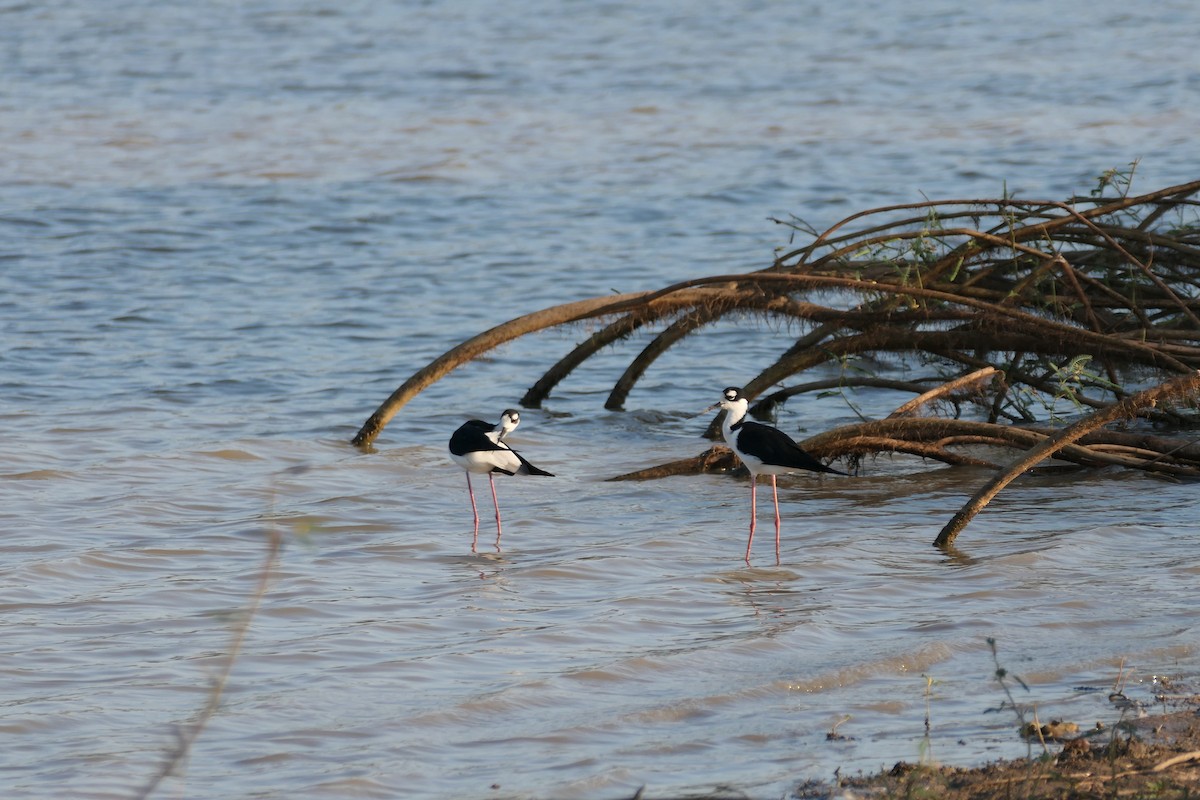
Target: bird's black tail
x,y
530,469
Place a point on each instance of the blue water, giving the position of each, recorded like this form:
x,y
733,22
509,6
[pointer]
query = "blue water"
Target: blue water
x,y
229,231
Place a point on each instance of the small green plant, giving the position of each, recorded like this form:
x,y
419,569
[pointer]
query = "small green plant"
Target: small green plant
x,y
1063,382
925,749
1119,180
926,248
850,365
1002,677
1071,380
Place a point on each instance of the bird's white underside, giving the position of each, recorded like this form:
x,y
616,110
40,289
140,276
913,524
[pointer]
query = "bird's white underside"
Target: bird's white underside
x,y
484,461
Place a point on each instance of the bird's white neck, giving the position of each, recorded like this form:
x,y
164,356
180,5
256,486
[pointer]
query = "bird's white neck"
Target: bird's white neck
x,y
735,410
505,427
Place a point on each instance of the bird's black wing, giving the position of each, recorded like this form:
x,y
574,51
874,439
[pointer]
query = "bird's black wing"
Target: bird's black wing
x,y
774,446
472,437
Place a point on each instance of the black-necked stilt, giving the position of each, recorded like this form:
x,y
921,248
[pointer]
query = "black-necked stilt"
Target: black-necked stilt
x,y
479,446
765,451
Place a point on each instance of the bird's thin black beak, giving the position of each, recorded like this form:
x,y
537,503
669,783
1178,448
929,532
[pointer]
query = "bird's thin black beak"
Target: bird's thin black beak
x,y
706,410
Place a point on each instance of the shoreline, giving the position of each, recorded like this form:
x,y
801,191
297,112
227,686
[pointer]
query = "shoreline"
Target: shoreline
x,y
1153,756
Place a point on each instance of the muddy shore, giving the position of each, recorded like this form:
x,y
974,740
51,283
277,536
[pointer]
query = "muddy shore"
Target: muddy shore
x,y
1149,756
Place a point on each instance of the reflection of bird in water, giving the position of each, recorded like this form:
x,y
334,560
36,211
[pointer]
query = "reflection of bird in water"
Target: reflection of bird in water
x,y
765,451
479,447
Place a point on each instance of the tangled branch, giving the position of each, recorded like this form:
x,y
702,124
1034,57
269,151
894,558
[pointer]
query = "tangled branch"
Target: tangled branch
x,y
1016,307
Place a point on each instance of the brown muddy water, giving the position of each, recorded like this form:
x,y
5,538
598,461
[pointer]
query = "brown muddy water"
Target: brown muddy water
x,y
228,231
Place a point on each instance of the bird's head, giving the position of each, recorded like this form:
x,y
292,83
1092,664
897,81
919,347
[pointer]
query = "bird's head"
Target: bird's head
x,y
731,400
509,420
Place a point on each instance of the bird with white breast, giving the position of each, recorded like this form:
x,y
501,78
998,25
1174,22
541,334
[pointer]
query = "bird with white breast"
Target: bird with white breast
x,y
479,447
765,451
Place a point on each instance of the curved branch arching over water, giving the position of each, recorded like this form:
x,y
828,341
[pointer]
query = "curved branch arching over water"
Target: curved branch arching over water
x,y
1016,305
650,302
1171,391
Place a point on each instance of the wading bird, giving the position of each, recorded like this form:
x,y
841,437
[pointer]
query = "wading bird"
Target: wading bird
x,y
479,447
765,451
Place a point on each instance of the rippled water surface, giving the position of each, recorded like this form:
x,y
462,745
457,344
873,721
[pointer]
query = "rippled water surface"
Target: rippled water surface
x,y
229,230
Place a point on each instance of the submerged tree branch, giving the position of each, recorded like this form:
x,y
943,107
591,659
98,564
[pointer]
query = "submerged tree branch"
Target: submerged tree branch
x,y
1172,391
1016,306
472,348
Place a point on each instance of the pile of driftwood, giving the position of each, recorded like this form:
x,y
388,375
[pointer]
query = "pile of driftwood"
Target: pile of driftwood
x,y
1013,306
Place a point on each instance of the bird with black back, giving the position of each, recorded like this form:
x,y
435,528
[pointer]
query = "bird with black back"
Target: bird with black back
x,y
479,447
765,451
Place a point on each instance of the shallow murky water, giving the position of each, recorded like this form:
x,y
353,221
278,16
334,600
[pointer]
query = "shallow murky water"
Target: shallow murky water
x,y
230,230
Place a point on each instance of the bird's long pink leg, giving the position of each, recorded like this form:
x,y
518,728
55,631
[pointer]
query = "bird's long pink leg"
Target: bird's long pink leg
x,y
753,512
475,511
775,495
496,502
